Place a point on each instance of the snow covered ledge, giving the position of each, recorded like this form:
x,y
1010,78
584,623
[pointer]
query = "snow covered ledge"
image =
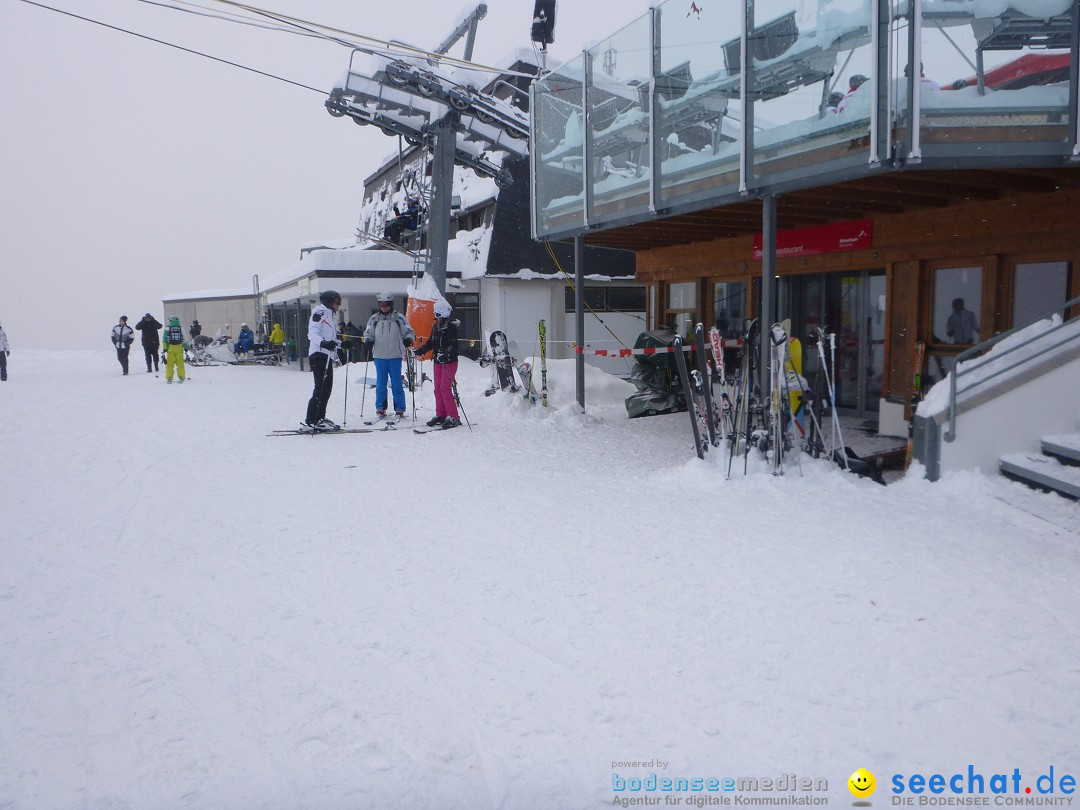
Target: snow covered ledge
x,y
1006,415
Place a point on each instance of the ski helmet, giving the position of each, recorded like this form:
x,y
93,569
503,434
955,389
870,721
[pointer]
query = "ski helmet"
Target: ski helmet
x,y
329,298
385,298
442,310
244,326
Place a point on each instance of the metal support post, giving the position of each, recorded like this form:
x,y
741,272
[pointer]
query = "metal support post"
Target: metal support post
x,y
768,287
442,190
579,317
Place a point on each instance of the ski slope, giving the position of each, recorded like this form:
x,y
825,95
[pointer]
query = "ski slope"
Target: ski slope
x,y
193,614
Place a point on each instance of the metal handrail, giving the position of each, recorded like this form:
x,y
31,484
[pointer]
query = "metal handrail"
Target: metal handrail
x,y
950,434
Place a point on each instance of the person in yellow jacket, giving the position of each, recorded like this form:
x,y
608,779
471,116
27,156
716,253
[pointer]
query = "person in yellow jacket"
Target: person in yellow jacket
x,y
173,342
277,338
793,371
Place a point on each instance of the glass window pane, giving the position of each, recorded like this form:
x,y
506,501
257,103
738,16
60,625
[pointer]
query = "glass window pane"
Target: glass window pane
x,y
1037,287
626,299
957,301
682,296
729,307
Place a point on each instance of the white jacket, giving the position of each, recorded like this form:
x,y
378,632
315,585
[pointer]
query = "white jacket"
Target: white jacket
x,y
321,327
4,345
122,335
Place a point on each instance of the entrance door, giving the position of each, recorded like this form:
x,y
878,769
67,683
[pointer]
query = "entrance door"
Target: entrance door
x,y
852,306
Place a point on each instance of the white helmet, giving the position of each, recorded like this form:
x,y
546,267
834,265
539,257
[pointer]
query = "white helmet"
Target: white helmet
x,y
385,298
442,309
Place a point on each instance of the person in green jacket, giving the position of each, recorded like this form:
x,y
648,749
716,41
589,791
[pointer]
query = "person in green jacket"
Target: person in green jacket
x,y
173,341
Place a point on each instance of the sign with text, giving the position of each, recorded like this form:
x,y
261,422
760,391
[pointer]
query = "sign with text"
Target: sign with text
x,y
854,235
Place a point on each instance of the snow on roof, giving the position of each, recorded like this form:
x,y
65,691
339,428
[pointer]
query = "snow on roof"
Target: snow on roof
x,y
244,292
345,258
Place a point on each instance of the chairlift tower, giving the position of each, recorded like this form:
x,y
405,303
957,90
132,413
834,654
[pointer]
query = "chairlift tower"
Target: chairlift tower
x,y
411,96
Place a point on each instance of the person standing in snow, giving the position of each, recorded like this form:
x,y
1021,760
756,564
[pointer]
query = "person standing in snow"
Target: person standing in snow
x,y
388,334
444,347
173,340
277,338
122,337
151,343
5,352
323,345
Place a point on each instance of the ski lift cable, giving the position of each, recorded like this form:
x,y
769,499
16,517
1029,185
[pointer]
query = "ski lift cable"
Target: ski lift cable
x,y
203,11
373,45
174,45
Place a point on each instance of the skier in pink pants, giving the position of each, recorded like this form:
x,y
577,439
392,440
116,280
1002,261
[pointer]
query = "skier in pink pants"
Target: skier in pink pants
x,y
444,346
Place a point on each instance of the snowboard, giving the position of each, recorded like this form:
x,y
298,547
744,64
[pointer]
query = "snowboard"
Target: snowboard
x,y
502,360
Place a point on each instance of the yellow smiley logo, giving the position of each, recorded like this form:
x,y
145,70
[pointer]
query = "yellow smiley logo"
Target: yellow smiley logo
x,y
862,783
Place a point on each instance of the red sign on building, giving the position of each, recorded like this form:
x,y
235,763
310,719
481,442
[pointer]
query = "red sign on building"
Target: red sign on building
x,y
854,235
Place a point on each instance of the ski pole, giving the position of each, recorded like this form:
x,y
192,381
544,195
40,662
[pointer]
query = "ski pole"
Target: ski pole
x,y
345,415
457,399
412,381
363,393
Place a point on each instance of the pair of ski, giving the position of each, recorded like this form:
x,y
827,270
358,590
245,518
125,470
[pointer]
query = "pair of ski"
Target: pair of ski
x,y
369,427
306,431
705,417
525,371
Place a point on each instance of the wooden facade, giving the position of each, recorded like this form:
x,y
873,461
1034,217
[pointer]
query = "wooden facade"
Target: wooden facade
x,y
922,222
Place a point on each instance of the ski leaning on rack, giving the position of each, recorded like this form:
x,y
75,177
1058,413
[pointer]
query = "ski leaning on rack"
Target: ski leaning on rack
x,y
700,444
724,406
543,363
744,398
708,406
916,395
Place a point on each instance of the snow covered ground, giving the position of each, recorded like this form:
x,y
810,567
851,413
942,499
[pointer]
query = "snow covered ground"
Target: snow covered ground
x,y
193,614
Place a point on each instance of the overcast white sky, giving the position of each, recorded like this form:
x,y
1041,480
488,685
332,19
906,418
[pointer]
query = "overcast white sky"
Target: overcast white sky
x,y
130,170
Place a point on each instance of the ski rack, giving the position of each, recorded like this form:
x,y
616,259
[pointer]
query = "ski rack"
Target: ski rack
x,y
404,99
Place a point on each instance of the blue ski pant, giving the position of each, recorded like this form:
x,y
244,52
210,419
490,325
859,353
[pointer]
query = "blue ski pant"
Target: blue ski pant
x,y
391,368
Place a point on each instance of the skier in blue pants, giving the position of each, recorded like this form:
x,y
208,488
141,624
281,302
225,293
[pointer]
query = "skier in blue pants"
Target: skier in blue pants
x,y
389,334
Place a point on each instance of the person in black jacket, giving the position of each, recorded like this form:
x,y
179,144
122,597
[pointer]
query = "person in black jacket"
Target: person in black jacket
x,y
444,347
151,343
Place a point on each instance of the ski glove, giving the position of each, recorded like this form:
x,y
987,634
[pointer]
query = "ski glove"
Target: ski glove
x,y
407,342
330,345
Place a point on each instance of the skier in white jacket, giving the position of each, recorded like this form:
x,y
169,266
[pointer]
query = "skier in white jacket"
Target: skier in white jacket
x,y
323,345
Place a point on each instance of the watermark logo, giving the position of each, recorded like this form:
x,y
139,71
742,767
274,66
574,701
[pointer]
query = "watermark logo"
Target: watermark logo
x,y
862,785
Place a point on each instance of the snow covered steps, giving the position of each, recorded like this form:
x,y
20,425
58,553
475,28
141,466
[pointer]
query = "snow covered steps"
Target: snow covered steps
x,y
1056,470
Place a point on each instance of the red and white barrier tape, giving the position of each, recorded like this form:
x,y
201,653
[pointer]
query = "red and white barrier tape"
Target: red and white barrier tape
x,y
645,350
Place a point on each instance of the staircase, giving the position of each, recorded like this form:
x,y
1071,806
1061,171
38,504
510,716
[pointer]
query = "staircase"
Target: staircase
x,y
1056,469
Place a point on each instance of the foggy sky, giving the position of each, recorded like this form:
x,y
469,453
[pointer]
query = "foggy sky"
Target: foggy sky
x,y
130,170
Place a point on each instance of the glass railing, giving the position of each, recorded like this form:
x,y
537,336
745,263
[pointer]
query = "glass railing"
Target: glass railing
x,y
617,98
994,77
674,121
808,85
698,114
558,139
